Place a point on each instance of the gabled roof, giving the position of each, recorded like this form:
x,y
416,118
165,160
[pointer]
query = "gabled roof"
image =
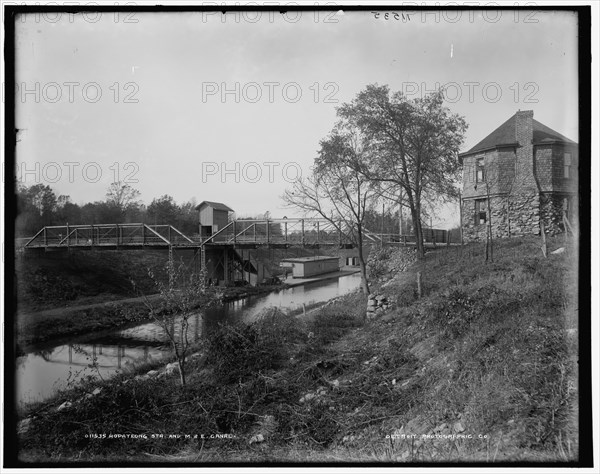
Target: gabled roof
x,y
219,206
504,135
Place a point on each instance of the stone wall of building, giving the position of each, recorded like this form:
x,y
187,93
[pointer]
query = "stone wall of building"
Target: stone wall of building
x,y
545,168
551,212
524,213
499,167
497,207
468,178
511,216
559,182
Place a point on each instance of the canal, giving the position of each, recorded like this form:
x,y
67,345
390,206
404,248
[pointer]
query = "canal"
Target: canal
x,y
44,371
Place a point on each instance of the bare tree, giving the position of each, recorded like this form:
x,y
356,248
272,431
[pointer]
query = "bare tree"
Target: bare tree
x,y
179,297
337,190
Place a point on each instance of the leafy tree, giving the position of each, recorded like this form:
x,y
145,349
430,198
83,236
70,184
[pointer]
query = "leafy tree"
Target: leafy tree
x,y
100,212
188,218
37,205
337,191
69,213
163,210
413,145
121,195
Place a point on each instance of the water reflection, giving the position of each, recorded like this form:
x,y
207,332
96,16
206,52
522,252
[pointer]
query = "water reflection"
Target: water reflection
x,y
40,374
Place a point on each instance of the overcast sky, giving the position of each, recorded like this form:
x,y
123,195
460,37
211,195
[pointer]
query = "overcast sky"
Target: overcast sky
x,y
163,124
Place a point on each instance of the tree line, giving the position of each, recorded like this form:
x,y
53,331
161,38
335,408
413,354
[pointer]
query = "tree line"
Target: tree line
x,y
39,206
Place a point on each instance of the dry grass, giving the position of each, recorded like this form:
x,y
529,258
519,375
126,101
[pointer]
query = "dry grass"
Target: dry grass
x,y
485,353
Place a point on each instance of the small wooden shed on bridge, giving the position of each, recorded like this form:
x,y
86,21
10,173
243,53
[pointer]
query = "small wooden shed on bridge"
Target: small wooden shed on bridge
x,y
213,217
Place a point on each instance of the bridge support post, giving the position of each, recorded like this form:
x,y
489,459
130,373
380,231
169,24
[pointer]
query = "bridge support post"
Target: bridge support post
x,y
268,232
226,266
203,261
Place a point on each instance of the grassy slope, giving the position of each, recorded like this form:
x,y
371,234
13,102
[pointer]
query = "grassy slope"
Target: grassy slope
x,y
489,350
78,278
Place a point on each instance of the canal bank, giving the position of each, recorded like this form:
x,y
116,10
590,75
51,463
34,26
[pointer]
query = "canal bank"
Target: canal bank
x,y
55,324
43,368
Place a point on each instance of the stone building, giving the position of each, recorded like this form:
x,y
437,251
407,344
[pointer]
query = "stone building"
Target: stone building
x,y
521,174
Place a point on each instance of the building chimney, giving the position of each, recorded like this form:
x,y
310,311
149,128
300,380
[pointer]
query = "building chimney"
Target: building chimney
x,y
524,199
524,172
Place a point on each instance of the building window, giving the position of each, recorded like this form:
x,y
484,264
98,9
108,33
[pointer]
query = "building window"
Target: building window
x,y
567,165
480,211
480,170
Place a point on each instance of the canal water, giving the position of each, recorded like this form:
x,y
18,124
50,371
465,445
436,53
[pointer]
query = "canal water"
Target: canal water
x,y
42,372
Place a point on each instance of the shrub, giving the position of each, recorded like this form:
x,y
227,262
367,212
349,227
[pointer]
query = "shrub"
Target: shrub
x,y
330,324
46,287
240,350
377,264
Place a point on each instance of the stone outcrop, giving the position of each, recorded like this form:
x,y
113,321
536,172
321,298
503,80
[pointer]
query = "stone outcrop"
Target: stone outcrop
x,y
376,305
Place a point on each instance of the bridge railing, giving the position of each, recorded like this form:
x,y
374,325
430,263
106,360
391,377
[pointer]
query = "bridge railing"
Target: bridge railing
x,y
108,235
439,236
288,231
308,231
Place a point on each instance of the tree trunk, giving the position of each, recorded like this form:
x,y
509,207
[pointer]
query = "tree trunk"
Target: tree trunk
x,y
364,283
487,244
415,212
418,232
181,364
460,211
